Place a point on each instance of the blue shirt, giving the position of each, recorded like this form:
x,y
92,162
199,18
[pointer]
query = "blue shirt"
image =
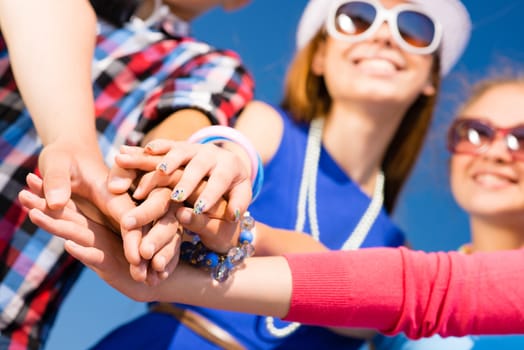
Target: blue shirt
x,y
340,205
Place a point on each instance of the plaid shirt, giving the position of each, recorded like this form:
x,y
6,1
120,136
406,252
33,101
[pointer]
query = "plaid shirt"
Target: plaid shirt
x,y
142,73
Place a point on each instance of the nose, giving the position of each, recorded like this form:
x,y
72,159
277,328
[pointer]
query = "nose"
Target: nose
x,y
498,149
383,35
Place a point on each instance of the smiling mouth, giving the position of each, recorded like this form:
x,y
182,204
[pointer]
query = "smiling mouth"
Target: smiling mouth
x,y
493,180
377,65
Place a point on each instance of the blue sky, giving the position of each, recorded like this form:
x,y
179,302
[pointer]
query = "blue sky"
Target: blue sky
x,y
263,33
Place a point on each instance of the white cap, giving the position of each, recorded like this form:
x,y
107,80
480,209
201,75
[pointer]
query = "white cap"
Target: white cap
x,y
453,16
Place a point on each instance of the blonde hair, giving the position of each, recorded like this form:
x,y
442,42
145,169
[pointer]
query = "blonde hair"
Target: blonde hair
x,y
306,96
482,87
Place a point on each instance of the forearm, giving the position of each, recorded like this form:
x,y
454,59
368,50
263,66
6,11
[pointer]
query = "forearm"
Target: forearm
x,y
398,290
178,126
270,241
55,78
252,289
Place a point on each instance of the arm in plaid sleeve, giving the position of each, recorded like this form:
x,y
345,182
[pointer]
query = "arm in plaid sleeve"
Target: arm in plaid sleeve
x,y
211,81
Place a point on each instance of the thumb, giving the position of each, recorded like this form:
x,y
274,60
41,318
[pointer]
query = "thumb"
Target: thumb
x,y
89,256
56,174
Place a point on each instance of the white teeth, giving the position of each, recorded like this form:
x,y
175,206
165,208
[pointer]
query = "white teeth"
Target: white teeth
x,y
378,66
492,180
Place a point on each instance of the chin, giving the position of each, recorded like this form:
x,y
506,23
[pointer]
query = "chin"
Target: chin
x,y
378,92
494,208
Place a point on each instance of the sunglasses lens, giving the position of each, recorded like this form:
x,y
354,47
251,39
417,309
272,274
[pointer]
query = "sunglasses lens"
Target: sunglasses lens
x,y
515,142
468,136
354,17
416,29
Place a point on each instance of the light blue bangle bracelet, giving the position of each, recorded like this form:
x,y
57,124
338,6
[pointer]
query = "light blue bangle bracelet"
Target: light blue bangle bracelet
x,y
256,187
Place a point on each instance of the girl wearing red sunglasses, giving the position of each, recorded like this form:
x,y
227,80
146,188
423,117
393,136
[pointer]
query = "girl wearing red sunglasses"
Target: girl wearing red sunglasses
x,y
486,142
487,164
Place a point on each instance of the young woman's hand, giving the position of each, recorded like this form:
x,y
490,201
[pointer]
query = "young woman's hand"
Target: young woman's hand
x,y
155,267
90,242
183,166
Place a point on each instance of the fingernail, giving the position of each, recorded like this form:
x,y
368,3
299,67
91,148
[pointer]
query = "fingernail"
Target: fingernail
x,y
184,217
199,206
72,244
162,167
177,194
56,196
236,216
149,250
123,157
142,268
117,182
150,146
161,262
125,147
129,222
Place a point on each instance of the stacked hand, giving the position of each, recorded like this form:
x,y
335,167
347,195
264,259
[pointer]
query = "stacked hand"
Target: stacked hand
x,y
71,170
200,179
202,187
90,242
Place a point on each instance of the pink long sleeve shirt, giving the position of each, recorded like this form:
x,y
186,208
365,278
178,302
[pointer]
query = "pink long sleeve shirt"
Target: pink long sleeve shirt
x,y
418,293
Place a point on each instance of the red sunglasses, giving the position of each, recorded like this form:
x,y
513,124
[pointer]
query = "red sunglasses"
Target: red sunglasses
x,y
474,136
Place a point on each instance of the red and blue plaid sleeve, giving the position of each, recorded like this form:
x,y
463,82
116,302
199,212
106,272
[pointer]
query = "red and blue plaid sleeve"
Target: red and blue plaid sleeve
x,y
141,75
212,81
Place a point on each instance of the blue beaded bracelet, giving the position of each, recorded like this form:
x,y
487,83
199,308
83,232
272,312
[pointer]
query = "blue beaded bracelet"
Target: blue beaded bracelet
x,y
221,265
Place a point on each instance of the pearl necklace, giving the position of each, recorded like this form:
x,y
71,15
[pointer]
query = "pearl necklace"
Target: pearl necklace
x,y
307,194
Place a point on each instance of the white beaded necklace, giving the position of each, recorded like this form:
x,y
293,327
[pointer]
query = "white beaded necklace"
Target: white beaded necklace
x,y
307,195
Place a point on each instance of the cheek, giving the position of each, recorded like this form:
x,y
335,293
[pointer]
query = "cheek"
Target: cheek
x,y
458,177
520,171
422,65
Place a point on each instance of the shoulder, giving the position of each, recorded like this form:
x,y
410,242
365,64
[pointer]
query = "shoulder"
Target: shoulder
x,y
258,111
263,125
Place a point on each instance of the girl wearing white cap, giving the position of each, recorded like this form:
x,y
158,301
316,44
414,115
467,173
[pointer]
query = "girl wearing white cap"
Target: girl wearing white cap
x,y
358,100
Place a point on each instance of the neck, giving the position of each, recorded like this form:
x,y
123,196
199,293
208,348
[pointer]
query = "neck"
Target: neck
x,y
145,9
186,11
357,139
492,235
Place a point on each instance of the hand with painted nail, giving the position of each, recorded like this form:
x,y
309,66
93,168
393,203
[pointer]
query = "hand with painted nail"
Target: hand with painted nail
x,y
184,167
161,236
153,216
220,235
153,171
160,261
135,171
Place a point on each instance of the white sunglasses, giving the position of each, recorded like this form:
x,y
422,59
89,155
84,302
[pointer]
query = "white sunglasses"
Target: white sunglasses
x,y
414,30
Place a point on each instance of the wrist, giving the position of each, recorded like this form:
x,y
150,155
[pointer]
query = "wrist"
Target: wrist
x,y
221,265
218,133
